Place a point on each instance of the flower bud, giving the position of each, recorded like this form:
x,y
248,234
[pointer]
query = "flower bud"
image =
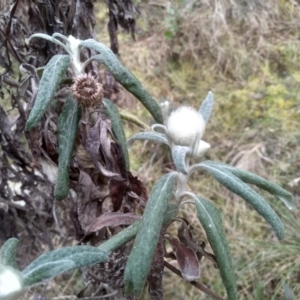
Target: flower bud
x,y
11,283
185,126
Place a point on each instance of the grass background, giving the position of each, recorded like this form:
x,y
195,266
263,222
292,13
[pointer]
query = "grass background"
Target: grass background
x,y
247,53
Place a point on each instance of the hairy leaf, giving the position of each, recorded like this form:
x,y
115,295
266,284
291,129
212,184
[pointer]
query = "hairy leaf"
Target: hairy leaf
x,y
8,253
124,77
179,154
52,76
67,129
140,258
149,135
112,113
187,260
56,262
130,232
155,276
248,177
238,187
207,106
211,221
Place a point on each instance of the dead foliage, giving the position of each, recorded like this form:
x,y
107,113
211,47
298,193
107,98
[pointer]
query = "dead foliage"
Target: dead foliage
x,y
104,196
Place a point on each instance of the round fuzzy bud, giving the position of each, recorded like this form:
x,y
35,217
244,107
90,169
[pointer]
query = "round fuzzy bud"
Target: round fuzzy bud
x,y
185,126
87,90
11,283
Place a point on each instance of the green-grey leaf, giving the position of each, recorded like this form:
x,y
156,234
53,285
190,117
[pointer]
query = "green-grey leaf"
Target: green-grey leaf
x,y
211,221
238,187
67,129
140,258
112,113
248,177
179,154
52,76
8,253
207,106
58,261
130,232
124,77
148,135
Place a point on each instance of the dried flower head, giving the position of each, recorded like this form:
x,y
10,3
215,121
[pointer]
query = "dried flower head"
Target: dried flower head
x,y
87,90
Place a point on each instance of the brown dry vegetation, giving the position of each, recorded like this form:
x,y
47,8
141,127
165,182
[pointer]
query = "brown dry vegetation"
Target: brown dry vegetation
x,y
247,53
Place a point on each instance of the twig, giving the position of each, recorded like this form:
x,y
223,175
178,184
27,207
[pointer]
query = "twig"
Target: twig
x,y
196,284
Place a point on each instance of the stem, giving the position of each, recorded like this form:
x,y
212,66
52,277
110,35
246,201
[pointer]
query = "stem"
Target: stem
x,y
182,182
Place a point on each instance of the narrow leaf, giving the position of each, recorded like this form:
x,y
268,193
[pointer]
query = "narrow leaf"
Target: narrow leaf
x,y
140,258
52,76
179,154
248,177
207,106
211,220
112,113
187,260
8,253
130,232
149,135
67,129
56,262
124,77
238,187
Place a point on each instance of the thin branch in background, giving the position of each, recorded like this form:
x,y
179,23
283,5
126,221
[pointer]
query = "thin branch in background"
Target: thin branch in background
x,y
196,284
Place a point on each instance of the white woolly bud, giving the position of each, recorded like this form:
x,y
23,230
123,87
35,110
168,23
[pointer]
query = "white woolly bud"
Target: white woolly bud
x,y
185,126
11,283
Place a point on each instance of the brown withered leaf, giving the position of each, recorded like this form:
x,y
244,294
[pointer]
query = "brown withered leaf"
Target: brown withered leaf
x,y
187,260
89,200
185,236
116,193
137,187
96,138
118,155
112,219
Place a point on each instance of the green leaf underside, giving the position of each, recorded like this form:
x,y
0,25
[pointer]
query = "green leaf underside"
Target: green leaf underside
x,y
62,260
148,135
124,77
112,113
238,187
207,106
248,177
140,258
130,232
179,154
52,76
8,253
67,129
211,220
